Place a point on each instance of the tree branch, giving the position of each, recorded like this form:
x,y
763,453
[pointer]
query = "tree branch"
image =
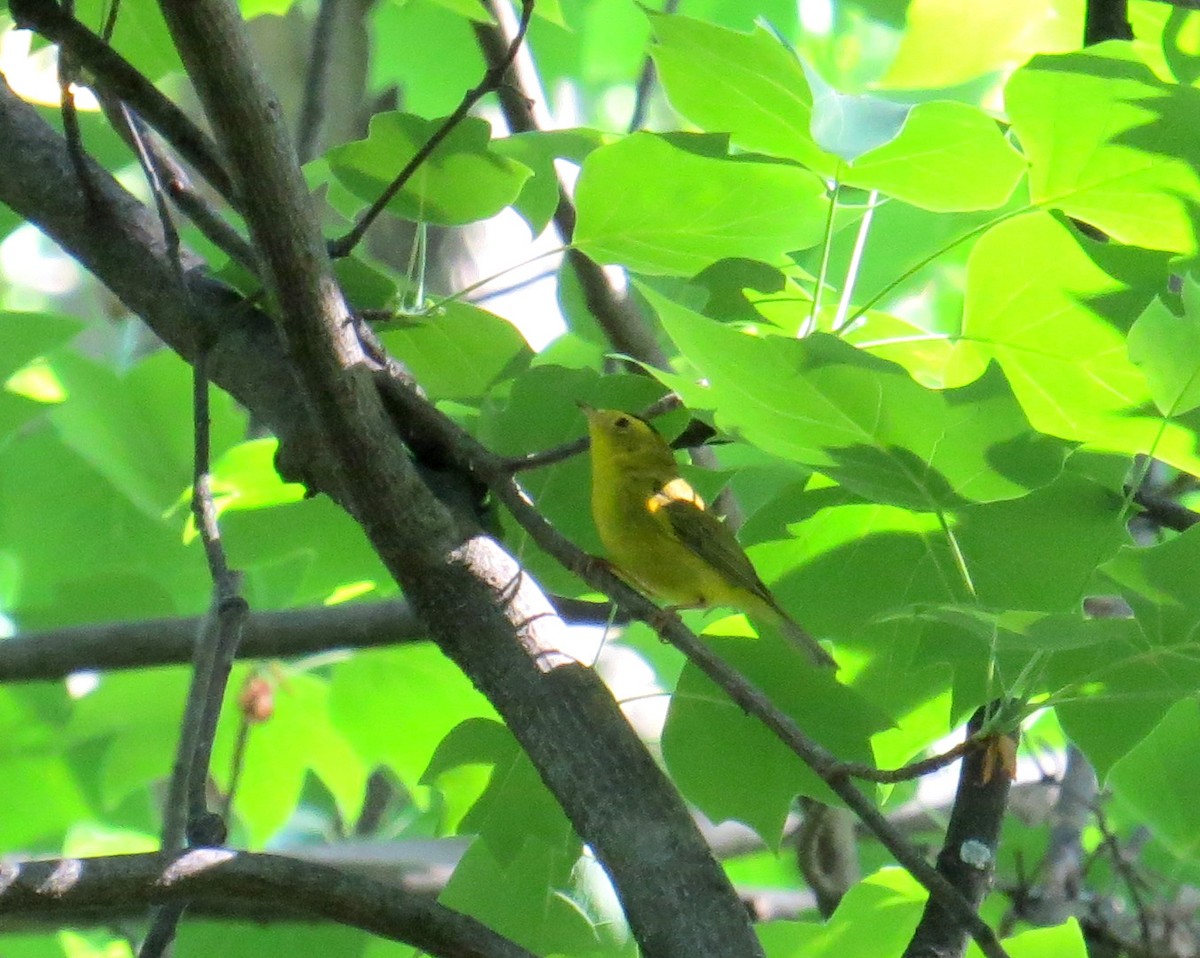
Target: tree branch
x,y
216,876
56,653
967,860
118,77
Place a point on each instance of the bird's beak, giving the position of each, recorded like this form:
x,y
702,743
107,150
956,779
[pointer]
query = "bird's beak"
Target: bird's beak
x,y
587,410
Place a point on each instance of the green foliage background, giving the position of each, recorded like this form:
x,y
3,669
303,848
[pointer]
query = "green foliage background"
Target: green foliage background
x,y
932,443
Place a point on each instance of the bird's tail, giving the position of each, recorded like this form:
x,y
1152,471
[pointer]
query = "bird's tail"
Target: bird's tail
x,y
792,630
799,637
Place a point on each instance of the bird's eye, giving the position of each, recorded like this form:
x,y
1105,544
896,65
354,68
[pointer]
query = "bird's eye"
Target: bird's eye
x,y
622,422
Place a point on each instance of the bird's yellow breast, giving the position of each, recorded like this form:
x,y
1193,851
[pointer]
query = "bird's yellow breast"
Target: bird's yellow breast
x,y
636,531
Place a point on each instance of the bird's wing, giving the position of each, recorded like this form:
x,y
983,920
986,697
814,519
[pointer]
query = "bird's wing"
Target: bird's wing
x,y
708,537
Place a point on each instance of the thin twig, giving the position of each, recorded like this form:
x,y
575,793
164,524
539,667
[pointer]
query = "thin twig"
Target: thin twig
x,y
312,106
491,81
177,184
115,74
67,70
164,921
568,450
229,609
110,21
1128,875
645,82
913,770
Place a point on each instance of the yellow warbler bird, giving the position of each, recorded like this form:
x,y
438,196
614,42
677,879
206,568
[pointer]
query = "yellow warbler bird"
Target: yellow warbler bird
x,y
660,535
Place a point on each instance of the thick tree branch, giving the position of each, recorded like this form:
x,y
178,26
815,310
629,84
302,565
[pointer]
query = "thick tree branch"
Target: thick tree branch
x,y
216,876
56,653
967,860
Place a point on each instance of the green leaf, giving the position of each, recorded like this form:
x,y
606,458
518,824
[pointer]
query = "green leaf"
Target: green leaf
x,y
465,8
414,687
34,760
1038,302
1040,551
877,916
728,763
141,35
301,553
1099,128
244,477
128,428
1157,584
118,715
553,901
1167,348
26,335
102,558
1160,777
860,420
260,8
198,938
462,181
948,157
655,208
538,151
1123,688
748,85
515,806
947,42
1061,941
441,58
835,547
460,353
1116,692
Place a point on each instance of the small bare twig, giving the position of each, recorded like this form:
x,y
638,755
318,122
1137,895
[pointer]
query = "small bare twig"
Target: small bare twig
x,y
1129,877
165,918
67,70
491,81
110,21
312,106
568,450
186,813
176,183
645,82
914,769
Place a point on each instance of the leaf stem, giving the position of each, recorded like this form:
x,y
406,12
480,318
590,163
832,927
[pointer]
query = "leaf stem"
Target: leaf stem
x,y
860,243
